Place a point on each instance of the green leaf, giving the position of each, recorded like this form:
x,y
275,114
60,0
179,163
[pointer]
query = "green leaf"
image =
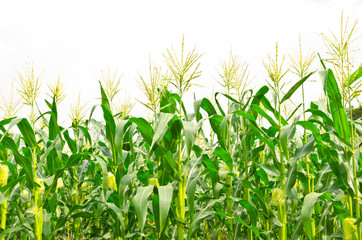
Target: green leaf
x,y
165,194
144,128
140,204
123,186
110,124
9,230
225,157
191,184
303,150
270,108
355,76
27,133
117,211
103,165
291,178
307,211
203,213
269,169
206,105
86,134
326,120
261,112
23,161
105,101
161,126
71,143
295,87
245,115
310,126
284,133
339,116
190,135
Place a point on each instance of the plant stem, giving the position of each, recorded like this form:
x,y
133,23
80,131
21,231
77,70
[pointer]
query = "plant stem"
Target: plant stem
x,y
37,202
246,189
355,180
306,159
229,181
282,209
3,207
182,190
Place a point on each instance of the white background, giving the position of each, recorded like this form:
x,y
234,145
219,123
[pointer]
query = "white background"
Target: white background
x,y
77,39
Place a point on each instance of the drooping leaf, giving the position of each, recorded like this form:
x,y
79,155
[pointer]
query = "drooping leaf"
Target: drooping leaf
x,y
191,184
144,128
189,131
165,194
225,157
27,133
307,211
140,203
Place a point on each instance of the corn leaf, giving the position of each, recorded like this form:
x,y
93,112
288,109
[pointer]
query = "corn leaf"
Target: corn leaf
x,y
295,87
165,198
27,133
140,203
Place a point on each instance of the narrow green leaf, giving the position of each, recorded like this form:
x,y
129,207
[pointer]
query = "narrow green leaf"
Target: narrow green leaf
x,y
110,124
161,126
206,105
284,133
27,133
310,126
192,178
339,116
103,165
10,230
189,131
21,160
295,87
261,112
105,101
355,76
225,157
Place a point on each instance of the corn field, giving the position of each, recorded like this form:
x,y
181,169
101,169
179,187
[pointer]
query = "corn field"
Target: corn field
x,y
236,166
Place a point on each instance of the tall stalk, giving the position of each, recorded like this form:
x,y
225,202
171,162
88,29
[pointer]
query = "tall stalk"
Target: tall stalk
x,y
340,51
234,79
300,65
355,179
184,70
181,195
4,175
276,73
37,194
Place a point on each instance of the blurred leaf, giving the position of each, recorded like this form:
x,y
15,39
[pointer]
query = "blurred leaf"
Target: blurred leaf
x,y
165,194
225,157
140,204
27,133
307,211
189,131
191,183
355,76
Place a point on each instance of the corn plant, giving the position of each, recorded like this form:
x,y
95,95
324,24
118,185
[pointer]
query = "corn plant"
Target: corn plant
x,y
245,164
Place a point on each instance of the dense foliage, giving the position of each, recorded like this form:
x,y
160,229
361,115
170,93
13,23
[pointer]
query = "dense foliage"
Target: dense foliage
x,y
233,168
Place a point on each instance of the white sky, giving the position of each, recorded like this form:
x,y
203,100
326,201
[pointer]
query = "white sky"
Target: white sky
x,y
77,39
